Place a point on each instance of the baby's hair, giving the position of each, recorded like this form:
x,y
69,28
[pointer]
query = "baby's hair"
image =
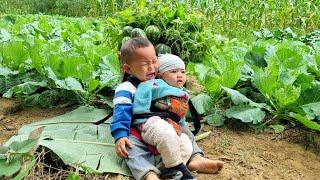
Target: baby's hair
x,y
129,46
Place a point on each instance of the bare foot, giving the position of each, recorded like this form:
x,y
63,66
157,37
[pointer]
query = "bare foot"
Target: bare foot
x,y
151,176
204,165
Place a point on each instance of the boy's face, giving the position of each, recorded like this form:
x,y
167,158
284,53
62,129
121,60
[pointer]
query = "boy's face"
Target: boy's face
x,y
143,63
175,77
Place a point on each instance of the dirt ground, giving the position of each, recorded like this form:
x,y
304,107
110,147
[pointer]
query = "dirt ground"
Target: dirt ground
x,y
247,155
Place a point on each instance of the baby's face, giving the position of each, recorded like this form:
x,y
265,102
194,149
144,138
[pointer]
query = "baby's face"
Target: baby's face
x,y
175,77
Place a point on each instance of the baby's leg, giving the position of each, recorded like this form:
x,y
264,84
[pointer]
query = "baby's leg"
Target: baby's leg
x,y
204,165
197,161
157,132
186,147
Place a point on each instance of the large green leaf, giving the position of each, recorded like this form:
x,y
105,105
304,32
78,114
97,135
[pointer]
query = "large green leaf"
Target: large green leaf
x,y
201,70
77,141
25,168
203,103
8,169
306,121
25,88
310,95
69,83
287,95
14,54
240,99
4,36
4,71
23,146
312,110
212,83
109,70
268,76
246,113
215,119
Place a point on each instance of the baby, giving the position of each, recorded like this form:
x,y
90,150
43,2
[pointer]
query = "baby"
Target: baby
x,y
160,105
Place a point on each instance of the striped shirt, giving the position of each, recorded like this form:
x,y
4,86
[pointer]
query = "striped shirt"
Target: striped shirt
x,y
122,112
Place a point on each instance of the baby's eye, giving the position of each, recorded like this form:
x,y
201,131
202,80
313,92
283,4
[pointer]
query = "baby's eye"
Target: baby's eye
x,y
183,71
173,71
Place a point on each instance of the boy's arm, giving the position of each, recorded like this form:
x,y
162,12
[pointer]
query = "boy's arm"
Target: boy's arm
x,y
122,112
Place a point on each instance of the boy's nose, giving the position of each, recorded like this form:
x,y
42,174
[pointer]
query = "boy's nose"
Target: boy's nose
x,y
151,68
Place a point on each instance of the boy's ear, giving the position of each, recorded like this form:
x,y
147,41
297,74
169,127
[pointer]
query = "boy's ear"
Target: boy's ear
x,y
126,68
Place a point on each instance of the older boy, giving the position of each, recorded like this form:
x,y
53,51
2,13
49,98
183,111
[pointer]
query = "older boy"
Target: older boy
x,y
140,61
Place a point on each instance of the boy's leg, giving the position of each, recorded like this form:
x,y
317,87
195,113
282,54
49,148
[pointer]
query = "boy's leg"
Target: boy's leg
x,y
140,161
197,160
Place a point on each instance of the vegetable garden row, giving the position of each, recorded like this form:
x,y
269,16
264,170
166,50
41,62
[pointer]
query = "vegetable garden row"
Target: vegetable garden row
x,y
46,60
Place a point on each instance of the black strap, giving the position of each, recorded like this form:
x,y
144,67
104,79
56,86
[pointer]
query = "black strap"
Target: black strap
x,y
195,118
126,77
162,115
103,120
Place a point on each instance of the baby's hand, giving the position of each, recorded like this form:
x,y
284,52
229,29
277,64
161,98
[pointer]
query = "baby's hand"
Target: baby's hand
x,y
121,147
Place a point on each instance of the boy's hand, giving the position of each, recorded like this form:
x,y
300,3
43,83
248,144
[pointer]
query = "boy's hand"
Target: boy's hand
x,y
121,147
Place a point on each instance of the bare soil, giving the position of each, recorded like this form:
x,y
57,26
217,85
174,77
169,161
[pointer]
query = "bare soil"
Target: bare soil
x,y
294,154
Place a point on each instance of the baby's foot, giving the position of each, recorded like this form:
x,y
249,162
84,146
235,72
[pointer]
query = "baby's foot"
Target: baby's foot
x,y
204,165
151,176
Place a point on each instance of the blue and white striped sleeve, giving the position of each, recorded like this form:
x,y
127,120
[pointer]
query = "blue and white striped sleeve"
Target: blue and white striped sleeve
x,y
122,112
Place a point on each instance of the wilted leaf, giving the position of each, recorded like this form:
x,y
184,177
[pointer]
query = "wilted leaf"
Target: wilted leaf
x,y
3,149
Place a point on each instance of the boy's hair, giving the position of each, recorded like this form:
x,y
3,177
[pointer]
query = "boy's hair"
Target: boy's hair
x,y
129,46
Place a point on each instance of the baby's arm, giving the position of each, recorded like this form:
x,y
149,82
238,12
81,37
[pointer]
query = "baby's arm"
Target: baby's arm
x,y
151,90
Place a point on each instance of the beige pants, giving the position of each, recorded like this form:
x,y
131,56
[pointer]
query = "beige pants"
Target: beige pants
x,y
173,149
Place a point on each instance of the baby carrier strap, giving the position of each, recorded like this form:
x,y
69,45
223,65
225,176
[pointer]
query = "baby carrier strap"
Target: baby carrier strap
x,y
195,118
162,115
126,77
